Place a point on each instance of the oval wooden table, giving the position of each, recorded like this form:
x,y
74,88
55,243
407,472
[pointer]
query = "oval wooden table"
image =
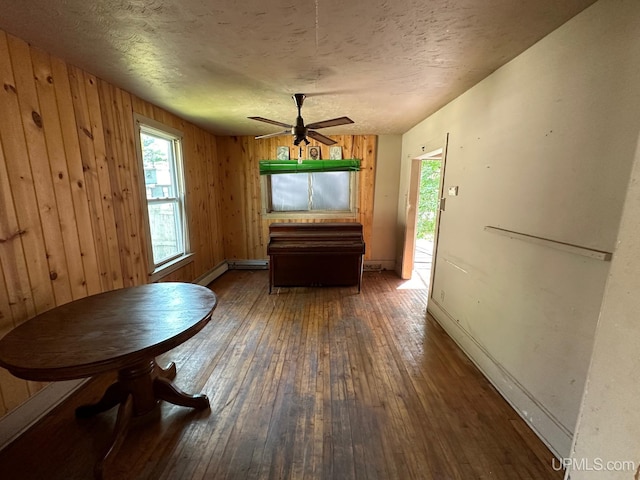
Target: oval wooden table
x,y
121,330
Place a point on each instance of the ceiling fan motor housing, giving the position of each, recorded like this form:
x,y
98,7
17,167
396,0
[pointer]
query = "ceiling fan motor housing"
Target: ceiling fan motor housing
x,y
300,133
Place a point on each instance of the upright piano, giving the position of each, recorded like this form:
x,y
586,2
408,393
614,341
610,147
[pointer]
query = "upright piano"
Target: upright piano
x,y
315,254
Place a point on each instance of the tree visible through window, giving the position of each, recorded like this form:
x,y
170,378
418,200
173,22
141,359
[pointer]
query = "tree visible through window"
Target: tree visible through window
x,y
428,200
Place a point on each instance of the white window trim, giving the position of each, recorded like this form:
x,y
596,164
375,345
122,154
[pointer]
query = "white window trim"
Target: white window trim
x,y
177,262
330,214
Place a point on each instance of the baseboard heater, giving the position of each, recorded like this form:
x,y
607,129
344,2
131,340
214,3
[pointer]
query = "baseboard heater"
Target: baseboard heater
x,y
248,264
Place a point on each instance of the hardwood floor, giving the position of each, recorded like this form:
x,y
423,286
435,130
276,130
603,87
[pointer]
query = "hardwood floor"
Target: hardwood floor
x,y
305,383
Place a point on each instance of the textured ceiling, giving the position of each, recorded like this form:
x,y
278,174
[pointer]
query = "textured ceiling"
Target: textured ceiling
x,y
387,64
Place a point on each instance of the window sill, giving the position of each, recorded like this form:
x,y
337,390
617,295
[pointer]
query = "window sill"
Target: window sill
x,y
170,267
303,215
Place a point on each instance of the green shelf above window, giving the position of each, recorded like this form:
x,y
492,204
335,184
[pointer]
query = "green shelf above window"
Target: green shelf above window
x,y
271,167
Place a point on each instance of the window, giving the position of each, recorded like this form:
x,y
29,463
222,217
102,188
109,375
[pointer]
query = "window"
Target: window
x,y
322,193
160,151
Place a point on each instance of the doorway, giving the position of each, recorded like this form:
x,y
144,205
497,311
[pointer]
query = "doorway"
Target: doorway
x,y
426,216
423,208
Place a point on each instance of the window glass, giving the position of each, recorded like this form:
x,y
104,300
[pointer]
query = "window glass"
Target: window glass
x,y
289,192
322,192
162,164
330,191
164,223
158,158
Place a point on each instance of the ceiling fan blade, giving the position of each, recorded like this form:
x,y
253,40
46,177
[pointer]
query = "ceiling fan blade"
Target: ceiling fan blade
x,y
321,138
273,122
277,134
331,123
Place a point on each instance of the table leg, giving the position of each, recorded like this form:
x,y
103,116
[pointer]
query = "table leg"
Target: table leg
x,y
167,391
169,372
163,389
113,396
125,412
138,390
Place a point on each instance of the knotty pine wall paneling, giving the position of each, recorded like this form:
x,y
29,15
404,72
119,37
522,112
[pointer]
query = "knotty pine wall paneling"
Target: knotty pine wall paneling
x,y
124,177
51,114
71,191
79,219
36,267
235,162
88,114
246,231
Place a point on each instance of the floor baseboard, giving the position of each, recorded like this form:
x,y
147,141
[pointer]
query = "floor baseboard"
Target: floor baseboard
x,y
547,427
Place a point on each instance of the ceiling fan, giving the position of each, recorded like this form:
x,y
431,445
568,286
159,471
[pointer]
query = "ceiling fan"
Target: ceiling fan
x,y
300,131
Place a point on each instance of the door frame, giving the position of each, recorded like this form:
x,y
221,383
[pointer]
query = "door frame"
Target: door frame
x,y
411,217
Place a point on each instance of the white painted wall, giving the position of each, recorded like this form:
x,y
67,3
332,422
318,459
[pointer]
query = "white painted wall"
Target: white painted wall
x,y
544,146
608,432
385,200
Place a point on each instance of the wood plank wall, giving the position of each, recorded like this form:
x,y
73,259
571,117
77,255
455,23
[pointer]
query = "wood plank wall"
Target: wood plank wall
x,y
246,231
71,211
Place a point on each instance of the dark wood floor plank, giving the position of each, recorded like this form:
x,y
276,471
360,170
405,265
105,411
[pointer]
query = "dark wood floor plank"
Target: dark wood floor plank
x,y
307,383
